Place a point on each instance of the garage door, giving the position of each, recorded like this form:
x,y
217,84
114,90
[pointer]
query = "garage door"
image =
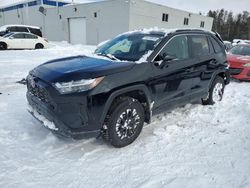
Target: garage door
x,y
77,30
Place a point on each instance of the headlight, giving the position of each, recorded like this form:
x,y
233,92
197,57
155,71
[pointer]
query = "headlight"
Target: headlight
x,y
247,65
77,86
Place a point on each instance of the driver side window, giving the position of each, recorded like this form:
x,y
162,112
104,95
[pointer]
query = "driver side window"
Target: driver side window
x,y
176,48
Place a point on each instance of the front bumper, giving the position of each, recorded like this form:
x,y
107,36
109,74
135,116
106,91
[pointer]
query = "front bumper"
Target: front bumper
x,y
67,120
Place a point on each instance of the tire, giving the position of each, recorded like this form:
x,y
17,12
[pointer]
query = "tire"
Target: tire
x,y
39,46
3,46
125,122
216,92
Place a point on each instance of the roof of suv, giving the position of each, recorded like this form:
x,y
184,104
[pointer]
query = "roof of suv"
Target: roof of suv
x,y
165,32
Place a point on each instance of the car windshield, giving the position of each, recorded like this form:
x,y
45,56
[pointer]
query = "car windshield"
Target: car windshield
x,y
7,35
129,47
240,50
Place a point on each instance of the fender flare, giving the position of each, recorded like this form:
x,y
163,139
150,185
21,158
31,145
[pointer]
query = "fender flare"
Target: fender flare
x,y
227,76
116,93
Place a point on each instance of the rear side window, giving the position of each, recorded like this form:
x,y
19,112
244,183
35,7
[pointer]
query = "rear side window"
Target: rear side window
x,y
12,29
177,47
28,36
21,29
217,47
35,31
200,46
17,29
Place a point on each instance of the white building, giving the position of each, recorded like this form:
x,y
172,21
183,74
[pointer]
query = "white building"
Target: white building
x,y
93,22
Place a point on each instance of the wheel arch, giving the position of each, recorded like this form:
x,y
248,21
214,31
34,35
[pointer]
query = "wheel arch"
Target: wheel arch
x,y
39,43
224,74
139,92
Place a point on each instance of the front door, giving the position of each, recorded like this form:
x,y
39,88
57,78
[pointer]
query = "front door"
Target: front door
x,y
16,41
172,82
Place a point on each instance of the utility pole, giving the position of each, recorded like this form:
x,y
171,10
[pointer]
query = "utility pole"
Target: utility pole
x,y
57,6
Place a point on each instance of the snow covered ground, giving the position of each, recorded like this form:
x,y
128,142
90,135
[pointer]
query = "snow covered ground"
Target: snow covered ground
x,y
194,146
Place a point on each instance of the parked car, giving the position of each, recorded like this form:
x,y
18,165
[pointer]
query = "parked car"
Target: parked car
x,y
20,28
22,41
239,60
130,78
228,45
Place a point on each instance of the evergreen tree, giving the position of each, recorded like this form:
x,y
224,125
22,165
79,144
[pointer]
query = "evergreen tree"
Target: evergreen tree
x,y
230,26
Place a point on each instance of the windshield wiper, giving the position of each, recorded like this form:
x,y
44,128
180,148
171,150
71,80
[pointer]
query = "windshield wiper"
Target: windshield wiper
x,y
110,56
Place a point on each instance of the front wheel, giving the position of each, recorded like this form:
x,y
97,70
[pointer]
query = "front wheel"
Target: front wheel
x,y
3,46
216,92
125,121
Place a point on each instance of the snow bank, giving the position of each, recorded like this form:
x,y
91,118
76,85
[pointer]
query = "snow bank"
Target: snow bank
x,y
43,119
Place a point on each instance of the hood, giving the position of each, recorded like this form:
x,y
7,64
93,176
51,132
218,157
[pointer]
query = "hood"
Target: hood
x,y
78,67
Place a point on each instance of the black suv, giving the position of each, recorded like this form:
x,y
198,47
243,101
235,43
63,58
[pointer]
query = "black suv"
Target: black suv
x,y
20,28
127,80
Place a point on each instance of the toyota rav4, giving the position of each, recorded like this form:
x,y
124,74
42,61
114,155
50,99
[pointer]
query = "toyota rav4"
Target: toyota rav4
x,y
137,74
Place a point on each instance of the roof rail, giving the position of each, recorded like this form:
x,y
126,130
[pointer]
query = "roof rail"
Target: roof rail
x,y
181,30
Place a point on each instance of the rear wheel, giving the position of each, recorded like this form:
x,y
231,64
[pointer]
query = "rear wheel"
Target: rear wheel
x,y
125,122
216,92
39,46
3,46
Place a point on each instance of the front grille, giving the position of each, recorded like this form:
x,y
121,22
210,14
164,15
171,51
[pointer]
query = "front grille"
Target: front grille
x,y
37,91
235,71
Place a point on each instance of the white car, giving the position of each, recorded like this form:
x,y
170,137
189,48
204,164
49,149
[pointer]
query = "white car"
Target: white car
x,y
22,41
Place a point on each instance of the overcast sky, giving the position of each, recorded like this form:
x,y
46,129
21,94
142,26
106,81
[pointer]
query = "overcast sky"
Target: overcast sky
x,y
205,5
196,6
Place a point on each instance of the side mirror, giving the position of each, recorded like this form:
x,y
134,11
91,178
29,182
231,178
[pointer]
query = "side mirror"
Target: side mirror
x,y
163,60
168,58
11,38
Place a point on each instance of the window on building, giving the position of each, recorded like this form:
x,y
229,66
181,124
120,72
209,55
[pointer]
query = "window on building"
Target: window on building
x,y
202,24
186,20
165,17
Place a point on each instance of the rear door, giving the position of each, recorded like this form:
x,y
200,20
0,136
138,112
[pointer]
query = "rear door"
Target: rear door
x,y
172,82
30,41
202,53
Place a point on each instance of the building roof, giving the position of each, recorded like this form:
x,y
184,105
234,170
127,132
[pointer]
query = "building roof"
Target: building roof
x,y
17,4
10,3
